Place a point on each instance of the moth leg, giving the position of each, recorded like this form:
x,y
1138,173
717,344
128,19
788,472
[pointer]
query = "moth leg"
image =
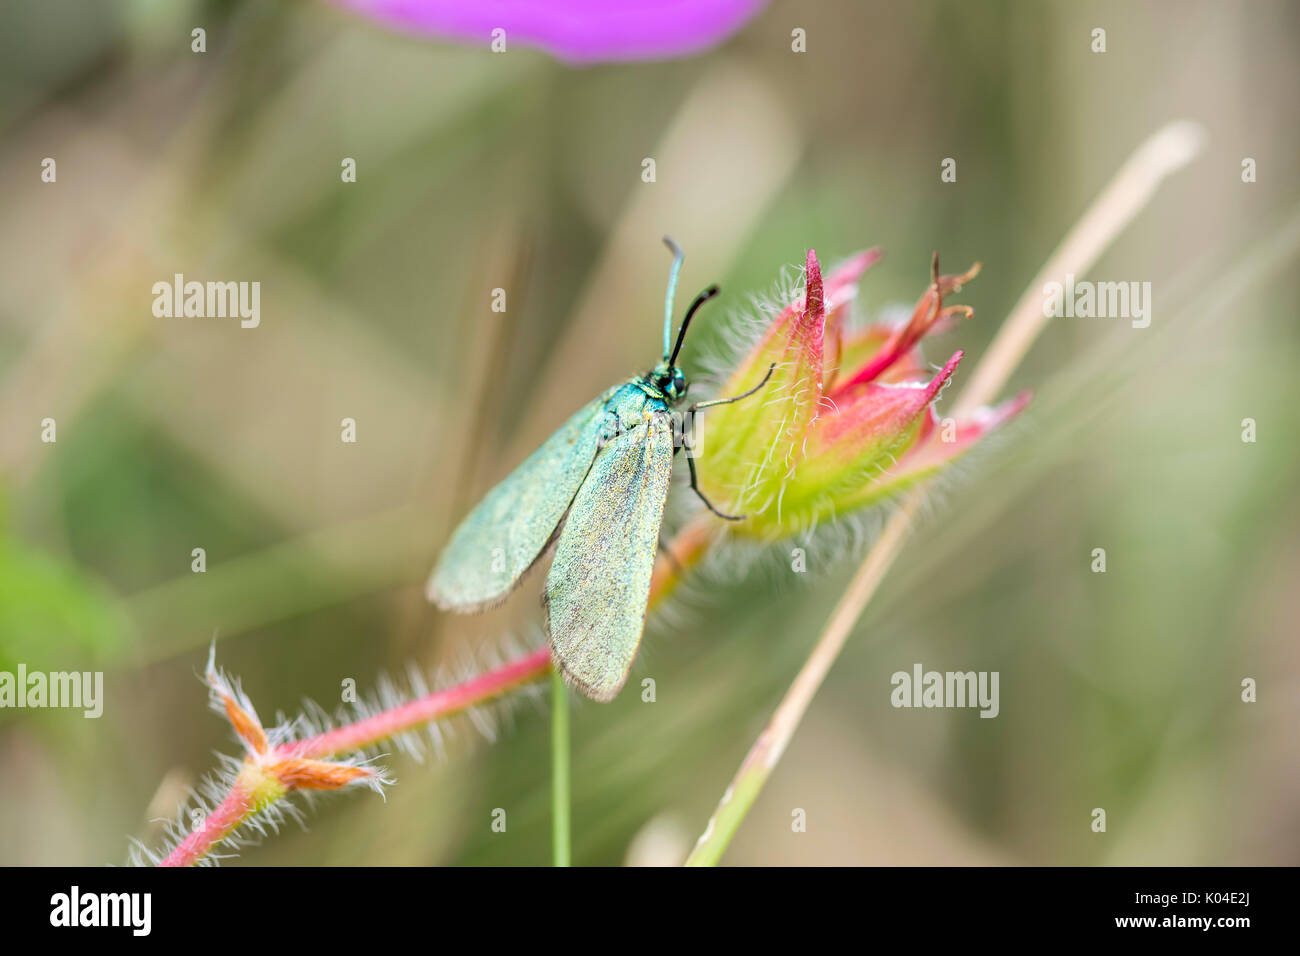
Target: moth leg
x,y
734,398
707,503
691,461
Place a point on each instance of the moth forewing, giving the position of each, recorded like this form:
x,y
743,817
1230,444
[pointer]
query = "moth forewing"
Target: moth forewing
x,y
507,532
599,583
608,469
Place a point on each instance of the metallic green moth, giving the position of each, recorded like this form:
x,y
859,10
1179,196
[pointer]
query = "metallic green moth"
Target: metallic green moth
x,y
597,488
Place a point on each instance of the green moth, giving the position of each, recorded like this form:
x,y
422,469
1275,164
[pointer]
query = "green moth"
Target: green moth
x,y
596,488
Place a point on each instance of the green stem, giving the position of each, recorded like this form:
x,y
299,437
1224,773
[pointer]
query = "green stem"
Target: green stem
x,y
559,770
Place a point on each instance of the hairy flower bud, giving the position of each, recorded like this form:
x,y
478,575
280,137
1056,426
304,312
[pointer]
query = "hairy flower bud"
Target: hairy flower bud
x,y
847,418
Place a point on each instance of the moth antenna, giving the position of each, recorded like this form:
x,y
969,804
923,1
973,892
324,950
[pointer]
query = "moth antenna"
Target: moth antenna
x,y
673,272
700,299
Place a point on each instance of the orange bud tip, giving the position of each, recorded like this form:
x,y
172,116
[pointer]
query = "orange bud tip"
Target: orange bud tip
x,y
299,774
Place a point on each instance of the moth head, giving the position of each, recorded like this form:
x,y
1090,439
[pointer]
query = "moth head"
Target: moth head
x,y
670,380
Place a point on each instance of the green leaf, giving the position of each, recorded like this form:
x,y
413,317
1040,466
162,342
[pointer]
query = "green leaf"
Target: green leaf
x,y
51,613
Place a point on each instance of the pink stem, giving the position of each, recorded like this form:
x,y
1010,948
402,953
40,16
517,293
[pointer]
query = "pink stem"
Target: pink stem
x,y
431,707
229,814
237,807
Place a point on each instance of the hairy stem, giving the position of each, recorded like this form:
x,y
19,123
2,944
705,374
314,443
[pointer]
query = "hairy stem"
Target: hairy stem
x,y
242,801
216,826
423,710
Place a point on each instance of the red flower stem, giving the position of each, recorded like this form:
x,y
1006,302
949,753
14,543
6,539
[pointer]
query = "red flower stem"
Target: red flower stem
x,y
423,710
229,814
239,804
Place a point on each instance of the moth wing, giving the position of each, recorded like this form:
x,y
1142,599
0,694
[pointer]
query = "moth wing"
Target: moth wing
x,y
599,582
509,529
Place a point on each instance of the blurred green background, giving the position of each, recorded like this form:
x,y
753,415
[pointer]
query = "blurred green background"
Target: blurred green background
x,y
478,171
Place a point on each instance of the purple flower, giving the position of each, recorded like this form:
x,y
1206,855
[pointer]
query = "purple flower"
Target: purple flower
x,y
578,31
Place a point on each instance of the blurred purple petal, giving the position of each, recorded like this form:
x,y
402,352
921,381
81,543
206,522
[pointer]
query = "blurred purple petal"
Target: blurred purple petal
x,y
579,31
